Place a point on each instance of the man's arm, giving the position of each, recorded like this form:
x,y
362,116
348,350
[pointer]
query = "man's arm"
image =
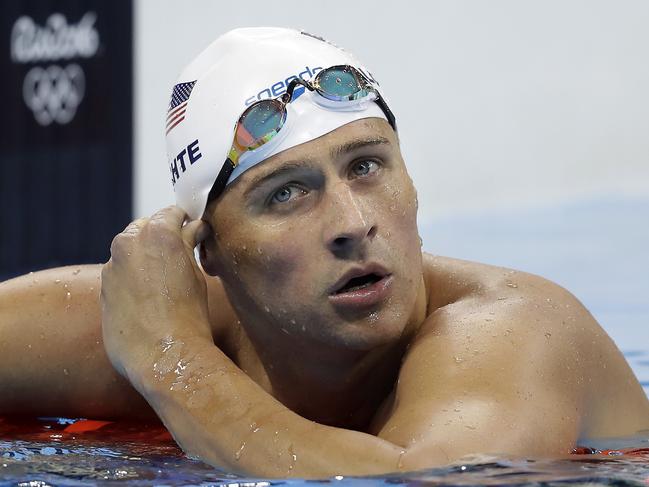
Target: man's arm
x,y
491,372
450,402
52,359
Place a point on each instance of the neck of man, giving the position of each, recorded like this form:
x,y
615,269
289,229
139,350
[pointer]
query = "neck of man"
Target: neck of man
x,y
335,386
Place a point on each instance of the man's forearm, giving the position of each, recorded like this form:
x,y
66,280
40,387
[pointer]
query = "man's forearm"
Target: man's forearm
x,y
216,412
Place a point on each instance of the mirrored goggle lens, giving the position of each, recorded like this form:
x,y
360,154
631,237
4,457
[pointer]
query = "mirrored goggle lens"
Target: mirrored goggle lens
x,y
260,123
338,83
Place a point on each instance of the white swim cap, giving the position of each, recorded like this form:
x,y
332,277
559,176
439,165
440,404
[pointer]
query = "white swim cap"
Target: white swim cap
x,y
237,69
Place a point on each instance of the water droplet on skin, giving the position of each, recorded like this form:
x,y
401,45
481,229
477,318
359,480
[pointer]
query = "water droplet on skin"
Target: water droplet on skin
x,y
293,458
266,309
65,372
400,461
512,284
180,367
166,343
284,330
68,295
237,454
57,281
75,272
171,353
548,334
458,360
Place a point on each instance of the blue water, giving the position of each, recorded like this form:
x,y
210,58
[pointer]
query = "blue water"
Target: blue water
x,y
595,248
95,461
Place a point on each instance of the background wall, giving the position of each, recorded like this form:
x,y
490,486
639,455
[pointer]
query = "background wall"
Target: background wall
x,y
524,124
501,103
66,155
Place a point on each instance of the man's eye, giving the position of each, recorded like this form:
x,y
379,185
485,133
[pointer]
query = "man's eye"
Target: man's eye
x,y
364,167
286,193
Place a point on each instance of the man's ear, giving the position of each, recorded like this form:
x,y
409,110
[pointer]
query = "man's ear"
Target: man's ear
x,y
208,255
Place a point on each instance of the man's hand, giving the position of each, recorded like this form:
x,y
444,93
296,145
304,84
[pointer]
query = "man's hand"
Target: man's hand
x,y
152,290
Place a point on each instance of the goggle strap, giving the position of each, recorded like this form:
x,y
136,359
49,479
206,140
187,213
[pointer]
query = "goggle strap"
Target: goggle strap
x,y
386,111
221,180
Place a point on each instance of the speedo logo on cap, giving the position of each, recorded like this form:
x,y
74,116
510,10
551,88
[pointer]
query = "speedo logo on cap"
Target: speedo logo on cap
x,y
279,87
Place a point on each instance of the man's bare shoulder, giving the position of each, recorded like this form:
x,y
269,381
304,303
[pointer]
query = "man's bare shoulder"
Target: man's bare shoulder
x,y
449,280
497,306
499,344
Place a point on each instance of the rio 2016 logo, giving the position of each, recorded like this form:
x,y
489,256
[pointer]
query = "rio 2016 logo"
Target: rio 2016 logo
x,y
55,91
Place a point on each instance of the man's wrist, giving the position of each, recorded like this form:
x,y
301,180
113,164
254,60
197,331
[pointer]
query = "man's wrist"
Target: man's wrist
x,y
161,367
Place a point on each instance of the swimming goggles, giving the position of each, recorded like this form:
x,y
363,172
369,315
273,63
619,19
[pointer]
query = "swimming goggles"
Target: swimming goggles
x,y
262,120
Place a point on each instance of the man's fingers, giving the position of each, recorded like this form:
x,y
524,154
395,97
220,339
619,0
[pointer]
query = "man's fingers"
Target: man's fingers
x,y
123,240
135,226
194,233
171,215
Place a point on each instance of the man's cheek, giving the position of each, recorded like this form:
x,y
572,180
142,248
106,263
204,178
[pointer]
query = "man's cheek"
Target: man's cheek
x,y
278,265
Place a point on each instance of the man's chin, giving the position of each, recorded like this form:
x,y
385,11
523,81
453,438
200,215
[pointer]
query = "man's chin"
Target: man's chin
x,y
374,329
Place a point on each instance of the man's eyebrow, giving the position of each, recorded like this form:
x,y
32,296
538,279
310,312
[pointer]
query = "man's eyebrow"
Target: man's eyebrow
x,y
334,152
356,144
288,167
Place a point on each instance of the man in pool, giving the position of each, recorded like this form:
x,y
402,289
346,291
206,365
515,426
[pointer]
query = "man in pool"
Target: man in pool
x,y
316,338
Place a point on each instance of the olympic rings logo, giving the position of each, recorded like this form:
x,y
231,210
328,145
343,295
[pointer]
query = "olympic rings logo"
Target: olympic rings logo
x,y
54,93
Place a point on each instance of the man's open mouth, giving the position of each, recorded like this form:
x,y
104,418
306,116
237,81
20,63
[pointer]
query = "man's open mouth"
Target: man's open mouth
x,y
360,282
361,287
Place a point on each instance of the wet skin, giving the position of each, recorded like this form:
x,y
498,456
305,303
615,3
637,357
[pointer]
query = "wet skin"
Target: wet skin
x,y
284,237
437,359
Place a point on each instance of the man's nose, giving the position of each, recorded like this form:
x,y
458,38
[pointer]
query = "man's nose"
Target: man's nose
x,y
350,223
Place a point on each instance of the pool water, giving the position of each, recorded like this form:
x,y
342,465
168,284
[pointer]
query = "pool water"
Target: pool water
x,y
42,452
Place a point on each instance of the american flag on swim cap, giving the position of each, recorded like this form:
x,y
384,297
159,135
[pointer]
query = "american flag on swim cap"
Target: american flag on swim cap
x,y
178,104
